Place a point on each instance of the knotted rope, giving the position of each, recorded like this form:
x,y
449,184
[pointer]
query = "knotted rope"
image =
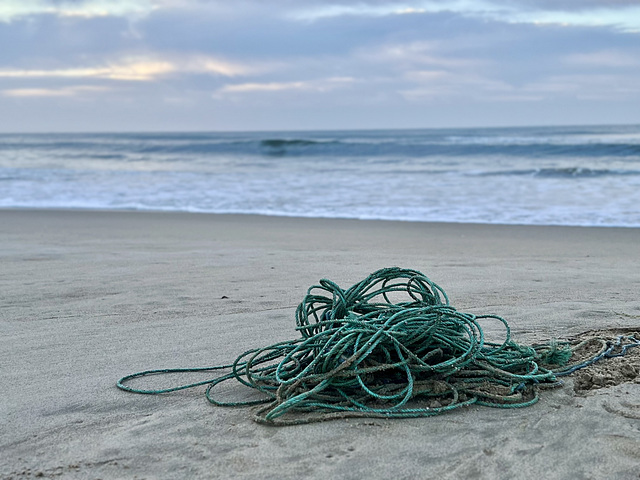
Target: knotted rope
x,y
364,353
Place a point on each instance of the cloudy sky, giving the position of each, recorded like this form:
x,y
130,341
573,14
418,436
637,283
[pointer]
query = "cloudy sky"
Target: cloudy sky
x,y
140,65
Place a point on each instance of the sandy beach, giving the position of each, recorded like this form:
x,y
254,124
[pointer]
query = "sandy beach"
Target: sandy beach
x,y
88,297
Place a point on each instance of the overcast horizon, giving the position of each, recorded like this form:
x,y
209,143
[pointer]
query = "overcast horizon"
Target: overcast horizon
x,y
308,130
189,65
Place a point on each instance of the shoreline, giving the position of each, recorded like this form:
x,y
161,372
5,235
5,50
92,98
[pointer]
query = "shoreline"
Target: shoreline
x,y
91,296
295,217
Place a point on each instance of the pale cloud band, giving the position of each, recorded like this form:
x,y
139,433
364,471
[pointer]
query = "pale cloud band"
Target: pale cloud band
x,y
624,14
321,85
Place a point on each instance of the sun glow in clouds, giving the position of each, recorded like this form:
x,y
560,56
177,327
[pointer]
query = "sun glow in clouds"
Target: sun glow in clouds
x,y
139,70
52,92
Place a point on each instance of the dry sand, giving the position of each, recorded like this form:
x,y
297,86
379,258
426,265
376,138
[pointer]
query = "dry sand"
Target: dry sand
x,y
87,297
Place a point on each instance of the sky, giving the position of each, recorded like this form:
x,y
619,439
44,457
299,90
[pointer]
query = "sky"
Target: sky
x,y
240,65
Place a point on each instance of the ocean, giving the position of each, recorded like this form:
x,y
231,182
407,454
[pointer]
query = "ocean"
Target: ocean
x,y
587,176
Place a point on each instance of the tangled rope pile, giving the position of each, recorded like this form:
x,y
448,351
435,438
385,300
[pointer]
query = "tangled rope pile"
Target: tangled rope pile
x,y
364,353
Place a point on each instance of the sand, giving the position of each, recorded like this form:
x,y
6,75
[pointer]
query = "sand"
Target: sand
x,y
87,297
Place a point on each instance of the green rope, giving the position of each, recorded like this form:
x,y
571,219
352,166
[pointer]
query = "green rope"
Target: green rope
x,y
365,353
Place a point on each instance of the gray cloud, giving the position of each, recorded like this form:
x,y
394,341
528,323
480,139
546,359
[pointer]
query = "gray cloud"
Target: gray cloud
x,y
206,65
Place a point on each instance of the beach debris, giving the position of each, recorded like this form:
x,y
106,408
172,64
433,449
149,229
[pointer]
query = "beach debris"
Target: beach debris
x,y
391,346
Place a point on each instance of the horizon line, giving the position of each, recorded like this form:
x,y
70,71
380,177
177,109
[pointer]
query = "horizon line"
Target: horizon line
x,y
302,130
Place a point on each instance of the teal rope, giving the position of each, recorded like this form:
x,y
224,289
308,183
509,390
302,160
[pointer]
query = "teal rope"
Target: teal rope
x,y
363,353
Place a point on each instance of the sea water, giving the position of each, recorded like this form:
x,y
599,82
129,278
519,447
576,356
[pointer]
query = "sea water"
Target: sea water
x,y
538,176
